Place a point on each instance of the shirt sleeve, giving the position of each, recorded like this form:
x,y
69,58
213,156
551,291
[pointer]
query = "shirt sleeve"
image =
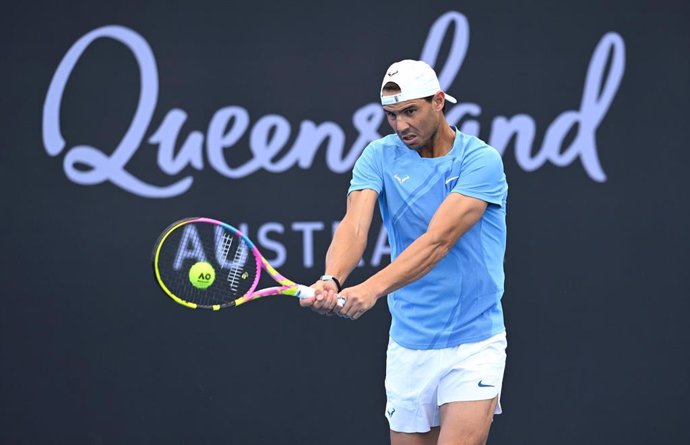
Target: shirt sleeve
x,y
366,173
482,177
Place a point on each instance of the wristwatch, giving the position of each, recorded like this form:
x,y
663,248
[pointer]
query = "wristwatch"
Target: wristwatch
x,y
333,279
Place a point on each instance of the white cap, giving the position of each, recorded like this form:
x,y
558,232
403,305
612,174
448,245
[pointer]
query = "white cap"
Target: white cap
x,y
416,80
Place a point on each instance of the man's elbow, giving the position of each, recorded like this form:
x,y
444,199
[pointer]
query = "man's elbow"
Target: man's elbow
x,y
440,245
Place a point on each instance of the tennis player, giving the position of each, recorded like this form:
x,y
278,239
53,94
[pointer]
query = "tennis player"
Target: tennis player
x,y
442,195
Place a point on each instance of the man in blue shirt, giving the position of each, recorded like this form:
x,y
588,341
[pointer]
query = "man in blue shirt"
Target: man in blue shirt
x,y
442,196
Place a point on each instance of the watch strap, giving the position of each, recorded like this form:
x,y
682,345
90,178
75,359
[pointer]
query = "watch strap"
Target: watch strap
x,y
333,279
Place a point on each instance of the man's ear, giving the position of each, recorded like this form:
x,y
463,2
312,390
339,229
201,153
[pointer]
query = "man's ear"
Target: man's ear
x,y
439,100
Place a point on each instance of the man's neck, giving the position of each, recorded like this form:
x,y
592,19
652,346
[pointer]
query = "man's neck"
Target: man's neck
x,y
440,144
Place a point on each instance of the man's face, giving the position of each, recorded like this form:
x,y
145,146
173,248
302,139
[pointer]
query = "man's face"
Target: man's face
x,y
415,121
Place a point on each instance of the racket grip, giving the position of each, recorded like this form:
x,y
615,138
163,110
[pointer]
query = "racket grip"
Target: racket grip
x,y
307,292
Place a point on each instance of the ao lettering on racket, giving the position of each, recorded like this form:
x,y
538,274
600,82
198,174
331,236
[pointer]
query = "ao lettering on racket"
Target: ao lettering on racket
x,y
208,264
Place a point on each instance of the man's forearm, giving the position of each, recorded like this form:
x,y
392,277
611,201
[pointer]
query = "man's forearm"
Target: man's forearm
x,y
412,264
345,251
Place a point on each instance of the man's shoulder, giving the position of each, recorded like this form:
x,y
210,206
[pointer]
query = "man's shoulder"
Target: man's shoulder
x,y
380,147
386,141
475,150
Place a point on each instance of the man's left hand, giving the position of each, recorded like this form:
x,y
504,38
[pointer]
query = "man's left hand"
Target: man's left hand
x,y
360,299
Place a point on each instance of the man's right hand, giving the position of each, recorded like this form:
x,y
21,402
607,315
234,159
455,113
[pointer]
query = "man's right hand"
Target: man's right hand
x,y
324,300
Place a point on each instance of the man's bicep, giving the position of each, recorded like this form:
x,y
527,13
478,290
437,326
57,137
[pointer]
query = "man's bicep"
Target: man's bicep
x,y
360,208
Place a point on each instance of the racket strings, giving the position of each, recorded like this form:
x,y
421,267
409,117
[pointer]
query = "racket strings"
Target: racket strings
x,y
226,254
236,273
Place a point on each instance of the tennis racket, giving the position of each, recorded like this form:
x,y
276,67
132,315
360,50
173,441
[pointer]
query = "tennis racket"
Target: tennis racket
x,y
208,264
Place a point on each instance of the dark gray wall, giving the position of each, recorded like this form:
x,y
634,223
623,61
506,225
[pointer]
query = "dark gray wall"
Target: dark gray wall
x,y
91,352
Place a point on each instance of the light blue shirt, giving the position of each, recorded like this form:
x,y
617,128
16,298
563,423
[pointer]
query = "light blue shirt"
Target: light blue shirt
x,y
459,300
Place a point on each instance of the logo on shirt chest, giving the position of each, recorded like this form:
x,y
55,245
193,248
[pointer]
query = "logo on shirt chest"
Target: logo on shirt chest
x,y
401,179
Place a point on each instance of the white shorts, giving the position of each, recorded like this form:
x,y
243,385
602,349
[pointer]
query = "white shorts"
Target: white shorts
x,y
418,382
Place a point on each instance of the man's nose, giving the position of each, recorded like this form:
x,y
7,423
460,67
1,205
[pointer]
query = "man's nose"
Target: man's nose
x,y
401,125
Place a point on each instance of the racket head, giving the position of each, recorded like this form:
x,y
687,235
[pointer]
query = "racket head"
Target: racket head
x,y
204,263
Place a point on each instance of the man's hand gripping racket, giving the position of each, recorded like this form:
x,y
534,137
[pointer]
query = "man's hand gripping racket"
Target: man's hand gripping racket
x,y
204,263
